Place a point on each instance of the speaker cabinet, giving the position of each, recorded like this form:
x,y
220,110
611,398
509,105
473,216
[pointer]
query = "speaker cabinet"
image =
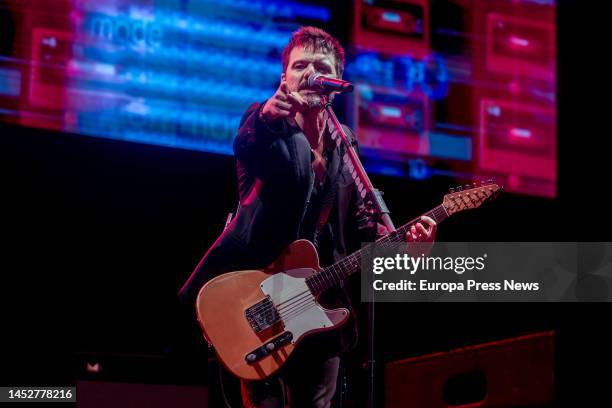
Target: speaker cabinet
x,y
514,372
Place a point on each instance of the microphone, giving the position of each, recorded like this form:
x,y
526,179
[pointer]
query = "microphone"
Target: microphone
x,y
322,83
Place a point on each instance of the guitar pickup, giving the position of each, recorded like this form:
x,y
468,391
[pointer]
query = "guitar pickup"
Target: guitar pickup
x,y
268,347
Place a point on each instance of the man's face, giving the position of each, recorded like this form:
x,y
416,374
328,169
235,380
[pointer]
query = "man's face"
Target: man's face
x,y
302,64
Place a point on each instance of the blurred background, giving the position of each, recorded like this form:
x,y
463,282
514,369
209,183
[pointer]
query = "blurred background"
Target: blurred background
x,y
116,124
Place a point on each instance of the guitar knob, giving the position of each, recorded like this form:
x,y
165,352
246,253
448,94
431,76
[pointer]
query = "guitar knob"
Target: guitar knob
x,y
451,190
467,187
270,346
251,357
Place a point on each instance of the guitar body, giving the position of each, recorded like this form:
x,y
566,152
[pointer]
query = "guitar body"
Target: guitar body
x,y
256,318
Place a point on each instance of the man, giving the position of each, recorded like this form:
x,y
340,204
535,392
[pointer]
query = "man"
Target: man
x,y
293,184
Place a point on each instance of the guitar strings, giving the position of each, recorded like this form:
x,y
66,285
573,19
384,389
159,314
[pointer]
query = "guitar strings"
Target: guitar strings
x,y
298,307
298,302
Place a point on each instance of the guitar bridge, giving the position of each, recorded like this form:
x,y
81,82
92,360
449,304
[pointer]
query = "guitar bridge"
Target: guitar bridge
x,y
262,315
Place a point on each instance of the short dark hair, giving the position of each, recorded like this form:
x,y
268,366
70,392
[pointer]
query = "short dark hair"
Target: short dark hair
x,y
317,40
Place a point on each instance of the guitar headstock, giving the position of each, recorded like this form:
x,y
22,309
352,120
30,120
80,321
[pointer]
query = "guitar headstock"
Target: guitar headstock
x,y
470,196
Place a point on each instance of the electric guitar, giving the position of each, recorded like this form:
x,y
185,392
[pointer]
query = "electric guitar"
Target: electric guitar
x,y
256,318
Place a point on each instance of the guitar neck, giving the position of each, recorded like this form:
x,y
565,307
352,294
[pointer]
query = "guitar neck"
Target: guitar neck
x,y
334,274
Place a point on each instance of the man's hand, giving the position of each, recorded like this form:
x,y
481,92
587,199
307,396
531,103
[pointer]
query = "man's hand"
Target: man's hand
x,y
283,104
421,239
418,233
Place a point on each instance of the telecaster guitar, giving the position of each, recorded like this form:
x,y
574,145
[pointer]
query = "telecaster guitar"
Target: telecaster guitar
x,y
256,318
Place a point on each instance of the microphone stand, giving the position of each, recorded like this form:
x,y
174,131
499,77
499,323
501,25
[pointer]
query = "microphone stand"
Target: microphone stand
x,y
375,205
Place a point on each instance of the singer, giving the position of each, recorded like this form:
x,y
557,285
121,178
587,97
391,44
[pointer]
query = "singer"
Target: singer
x,y
293,184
